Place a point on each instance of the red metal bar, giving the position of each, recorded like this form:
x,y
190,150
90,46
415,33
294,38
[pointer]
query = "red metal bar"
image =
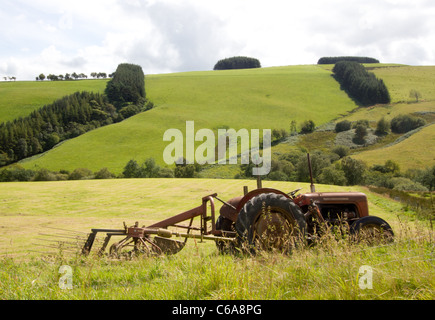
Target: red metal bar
x,y
178,218
192,213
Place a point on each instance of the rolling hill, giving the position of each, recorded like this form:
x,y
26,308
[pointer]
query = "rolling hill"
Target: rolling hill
x,y
253,98
19,99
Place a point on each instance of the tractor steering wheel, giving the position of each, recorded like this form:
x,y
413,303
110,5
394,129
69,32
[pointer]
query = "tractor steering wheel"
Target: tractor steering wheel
x,y
292,193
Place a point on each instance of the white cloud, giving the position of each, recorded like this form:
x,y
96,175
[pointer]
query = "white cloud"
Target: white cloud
x,y
52,36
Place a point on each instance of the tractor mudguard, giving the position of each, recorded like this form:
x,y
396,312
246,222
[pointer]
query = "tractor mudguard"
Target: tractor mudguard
x,y
238,202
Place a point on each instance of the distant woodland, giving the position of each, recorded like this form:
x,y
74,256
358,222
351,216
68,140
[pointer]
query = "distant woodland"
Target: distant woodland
x,y
334,60
237,63
361,85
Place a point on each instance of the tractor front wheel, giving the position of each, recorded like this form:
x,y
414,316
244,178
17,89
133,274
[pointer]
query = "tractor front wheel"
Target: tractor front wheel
x,y
372,229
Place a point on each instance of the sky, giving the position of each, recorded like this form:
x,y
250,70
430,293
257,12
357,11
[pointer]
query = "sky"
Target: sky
x,y
165,36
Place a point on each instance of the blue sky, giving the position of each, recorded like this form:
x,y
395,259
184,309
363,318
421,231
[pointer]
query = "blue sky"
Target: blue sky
x,y
57,36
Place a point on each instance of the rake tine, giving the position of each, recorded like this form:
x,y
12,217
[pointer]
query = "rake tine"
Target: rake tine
x,y
55,247
54,228
60,242
62,236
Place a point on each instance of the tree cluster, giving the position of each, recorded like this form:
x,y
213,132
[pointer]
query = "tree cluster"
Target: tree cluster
x,y
361,85
337,168
237,63
65,118
73,76
405,122
334,60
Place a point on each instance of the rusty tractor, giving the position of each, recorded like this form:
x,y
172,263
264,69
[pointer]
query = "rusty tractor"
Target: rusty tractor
x,y
262,219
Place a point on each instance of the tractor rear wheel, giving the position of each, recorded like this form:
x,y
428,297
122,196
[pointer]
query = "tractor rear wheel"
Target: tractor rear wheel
x,y
270,222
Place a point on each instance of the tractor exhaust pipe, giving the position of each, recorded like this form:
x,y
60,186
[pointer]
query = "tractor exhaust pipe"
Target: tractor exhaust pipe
x,y
312,187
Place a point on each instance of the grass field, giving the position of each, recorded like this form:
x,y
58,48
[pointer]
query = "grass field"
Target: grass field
x,y
401,80
417,151
261,98
329,270
20,98
404,152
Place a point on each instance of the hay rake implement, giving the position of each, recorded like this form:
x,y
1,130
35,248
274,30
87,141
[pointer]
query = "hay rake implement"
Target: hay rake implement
x,y
156,238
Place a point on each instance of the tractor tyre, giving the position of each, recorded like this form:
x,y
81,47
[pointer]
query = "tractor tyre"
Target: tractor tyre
x,y
372,230
270,222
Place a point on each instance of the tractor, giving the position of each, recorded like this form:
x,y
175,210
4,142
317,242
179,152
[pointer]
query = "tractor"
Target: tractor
x,y
262,219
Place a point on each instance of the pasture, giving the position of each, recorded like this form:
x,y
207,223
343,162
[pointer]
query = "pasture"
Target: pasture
x,y
20,98
261,98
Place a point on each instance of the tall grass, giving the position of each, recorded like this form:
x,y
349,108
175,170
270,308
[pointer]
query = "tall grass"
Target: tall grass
x,y
330,269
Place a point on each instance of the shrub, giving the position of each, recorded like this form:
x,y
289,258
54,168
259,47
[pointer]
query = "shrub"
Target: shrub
x,y
390,166
332,175
131,169
405,122
362,122
405,184
343,126
360,134
308,126
44,175
382,127
354,170
104,174
277,176
341,151
81,174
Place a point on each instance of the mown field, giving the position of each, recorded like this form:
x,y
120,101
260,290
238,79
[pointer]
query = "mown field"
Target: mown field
x,y
329,270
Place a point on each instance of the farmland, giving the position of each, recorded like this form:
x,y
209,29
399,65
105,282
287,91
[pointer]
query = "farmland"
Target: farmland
x,y
252,98
256,98
330,270
213,99
19,99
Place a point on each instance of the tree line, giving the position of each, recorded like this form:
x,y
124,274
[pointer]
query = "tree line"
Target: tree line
x,y
74,115
65,118
73,76
237,63
363,86
334,60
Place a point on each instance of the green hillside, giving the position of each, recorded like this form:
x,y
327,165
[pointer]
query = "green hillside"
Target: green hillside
x,y
418,150
253,98
19,99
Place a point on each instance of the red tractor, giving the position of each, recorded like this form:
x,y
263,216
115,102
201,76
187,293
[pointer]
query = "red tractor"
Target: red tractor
x,y
269,218
262,219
